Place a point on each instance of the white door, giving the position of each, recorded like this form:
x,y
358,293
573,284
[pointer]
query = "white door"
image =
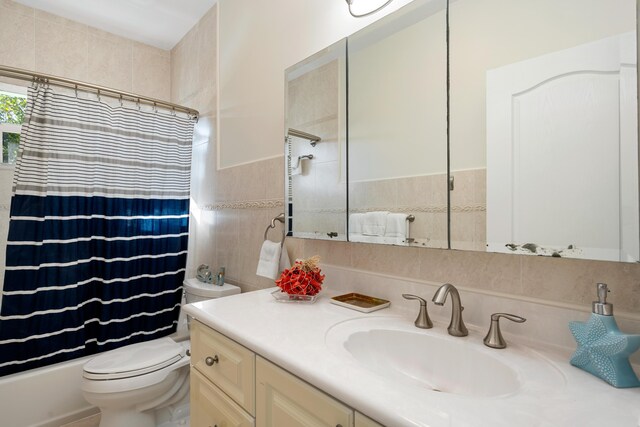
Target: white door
x,y
562,151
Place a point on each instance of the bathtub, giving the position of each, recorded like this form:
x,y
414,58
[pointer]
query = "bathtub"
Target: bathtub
x,y
44,397
50,396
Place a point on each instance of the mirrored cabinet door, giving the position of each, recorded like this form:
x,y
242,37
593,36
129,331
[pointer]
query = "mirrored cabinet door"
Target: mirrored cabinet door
x,y
315,146
543,137
397,128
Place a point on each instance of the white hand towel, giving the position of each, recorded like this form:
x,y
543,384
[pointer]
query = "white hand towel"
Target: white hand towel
x,y
375,223
396,225
355,223
296,166
269,263
285,262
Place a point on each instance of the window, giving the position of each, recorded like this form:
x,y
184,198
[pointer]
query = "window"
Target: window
x,y
13,103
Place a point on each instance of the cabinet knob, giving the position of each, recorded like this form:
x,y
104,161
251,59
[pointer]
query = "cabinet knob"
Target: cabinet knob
x,y
211,360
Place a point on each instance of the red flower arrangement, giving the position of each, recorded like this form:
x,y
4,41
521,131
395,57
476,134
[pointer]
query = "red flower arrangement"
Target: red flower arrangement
x,y
303,278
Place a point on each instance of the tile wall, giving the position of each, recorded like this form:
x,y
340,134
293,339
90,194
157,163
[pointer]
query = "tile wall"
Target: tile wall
x,y
36,40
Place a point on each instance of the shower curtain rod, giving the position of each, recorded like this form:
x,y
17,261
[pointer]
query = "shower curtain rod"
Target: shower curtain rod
x,y
17,73
304,135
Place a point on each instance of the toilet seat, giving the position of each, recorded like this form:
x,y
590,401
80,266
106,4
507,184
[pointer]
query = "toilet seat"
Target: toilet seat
x,y
133,360
134,366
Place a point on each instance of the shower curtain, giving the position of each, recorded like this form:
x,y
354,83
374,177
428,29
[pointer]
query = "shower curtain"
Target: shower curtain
x,y
98,230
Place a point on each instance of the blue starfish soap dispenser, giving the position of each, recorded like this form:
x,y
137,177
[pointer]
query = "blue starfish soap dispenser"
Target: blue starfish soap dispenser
x,y
602,349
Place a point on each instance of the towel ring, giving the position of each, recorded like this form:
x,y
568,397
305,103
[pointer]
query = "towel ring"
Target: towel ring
x,y
273,225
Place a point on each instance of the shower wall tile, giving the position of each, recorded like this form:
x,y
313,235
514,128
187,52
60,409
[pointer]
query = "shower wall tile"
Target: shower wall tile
x,y
184,57
11,7
151,71
61,49
110,62
207,49
17,51
59,20
192,70
55,45
194,65
205,246
203,165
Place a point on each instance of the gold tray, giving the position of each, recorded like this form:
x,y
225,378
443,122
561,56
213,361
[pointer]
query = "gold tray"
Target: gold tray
x,y
360,302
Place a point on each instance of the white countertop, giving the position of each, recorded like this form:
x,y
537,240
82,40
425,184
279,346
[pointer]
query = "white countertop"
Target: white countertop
x,y
303,339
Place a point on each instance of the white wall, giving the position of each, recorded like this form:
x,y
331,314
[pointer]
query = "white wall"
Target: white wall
x,y
398,103
258,40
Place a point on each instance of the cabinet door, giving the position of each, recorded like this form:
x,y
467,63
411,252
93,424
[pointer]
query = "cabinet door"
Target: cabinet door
x,y
226,363
284,400
362,421
210,407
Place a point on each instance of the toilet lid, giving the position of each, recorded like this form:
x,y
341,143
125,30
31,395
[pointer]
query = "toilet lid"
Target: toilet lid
x,y
133,360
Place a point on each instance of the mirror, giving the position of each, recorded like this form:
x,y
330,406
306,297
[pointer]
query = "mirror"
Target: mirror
x,y
543,140
543,136
315,146
397,95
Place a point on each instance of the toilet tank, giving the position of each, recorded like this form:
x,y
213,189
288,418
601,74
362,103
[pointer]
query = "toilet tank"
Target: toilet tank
x,y
196,290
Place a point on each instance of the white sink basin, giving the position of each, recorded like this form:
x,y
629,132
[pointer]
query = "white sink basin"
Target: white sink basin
x,y
442,365
431,360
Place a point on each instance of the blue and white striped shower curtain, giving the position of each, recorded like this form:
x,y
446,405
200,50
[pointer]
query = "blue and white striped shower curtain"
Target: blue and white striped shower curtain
x,y
98,230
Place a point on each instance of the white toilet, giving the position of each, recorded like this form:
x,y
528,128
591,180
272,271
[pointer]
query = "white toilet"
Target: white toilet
x,y
132,384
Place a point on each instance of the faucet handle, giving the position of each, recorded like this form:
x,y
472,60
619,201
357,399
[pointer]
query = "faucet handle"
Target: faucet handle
x,y
494,338
422,321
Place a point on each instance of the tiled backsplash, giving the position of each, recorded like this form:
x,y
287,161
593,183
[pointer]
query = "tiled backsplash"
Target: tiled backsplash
x,y
546,325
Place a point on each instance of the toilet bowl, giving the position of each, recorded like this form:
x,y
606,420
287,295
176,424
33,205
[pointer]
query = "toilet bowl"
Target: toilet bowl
x,y
132,384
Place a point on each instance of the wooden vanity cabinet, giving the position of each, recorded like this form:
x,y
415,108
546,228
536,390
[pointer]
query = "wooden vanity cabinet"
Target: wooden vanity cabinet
x,y
224,362
285,400
232,386
211,407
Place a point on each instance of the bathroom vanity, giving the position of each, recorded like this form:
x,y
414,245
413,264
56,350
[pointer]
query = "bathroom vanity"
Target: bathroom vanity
x,y
231,385
259,362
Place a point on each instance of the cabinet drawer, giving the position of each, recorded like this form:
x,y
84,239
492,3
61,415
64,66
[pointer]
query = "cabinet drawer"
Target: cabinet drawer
x,y
211,407
226,363
285,400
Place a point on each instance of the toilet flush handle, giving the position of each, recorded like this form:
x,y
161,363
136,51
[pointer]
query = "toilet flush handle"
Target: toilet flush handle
x,y
211,360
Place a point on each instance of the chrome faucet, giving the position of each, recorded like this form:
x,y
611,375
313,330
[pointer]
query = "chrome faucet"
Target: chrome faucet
x,y
456,326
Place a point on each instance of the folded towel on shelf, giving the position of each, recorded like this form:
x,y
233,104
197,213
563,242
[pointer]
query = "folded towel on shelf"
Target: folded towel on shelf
x,y
355,223
396,225
401,241
269,262
374,223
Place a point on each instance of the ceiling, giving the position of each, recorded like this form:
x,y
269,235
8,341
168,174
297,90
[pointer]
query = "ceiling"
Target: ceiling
x,y
160,23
